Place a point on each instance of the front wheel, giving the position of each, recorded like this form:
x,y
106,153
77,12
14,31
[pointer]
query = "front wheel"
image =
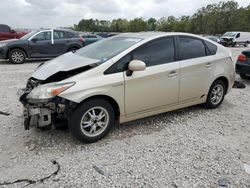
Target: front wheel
x,y
92,120
17,56
216,94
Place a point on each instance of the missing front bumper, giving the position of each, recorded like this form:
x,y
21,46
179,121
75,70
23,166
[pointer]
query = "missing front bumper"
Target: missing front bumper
x,y
38,117
45,114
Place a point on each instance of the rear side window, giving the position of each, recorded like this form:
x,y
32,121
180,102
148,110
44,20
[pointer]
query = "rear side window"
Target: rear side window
x,y
191,47
59,35
156,52
70,35
211,48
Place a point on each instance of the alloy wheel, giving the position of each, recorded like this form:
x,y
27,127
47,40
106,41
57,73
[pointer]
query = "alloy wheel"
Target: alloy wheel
x,y
217,94
94,121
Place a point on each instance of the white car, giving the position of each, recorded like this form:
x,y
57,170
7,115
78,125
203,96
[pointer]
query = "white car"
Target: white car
x,y
127,77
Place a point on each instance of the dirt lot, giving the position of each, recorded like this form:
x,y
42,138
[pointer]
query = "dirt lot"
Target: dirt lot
x,y
192,147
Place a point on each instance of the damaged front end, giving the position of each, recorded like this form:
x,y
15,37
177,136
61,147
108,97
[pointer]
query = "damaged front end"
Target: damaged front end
x,y
43,106
44,111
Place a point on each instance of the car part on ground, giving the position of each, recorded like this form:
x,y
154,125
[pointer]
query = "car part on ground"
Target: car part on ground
x,y
40,44
127,77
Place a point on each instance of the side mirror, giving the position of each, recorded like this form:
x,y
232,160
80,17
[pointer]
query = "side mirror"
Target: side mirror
x,y
135,65
12,31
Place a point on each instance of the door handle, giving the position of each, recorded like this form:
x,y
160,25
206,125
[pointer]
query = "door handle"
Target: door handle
x,y
172,74
208,65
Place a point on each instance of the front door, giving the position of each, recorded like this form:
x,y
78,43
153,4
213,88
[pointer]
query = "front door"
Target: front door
x,y
41,45
158,85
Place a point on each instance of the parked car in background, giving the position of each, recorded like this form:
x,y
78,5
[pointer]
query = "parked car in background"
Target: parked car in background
x,y
40,44
213,38
127,77
7,33
235,38
107,35
243,65
90,38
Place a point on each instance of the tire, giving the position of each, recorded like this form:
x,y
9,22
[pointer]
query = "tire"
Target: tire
x,y
243,76
17,56
215,99
82,125
72,49
246,44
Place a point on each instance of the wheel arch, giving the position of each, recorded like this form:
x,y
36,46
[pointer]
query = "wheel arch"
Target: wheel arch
x,y
19,48
111,100
73,46
224,79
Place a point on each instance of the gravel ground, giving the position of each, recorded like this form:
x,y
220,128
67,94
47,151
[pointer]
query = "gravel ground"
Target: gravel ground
x,y
192,147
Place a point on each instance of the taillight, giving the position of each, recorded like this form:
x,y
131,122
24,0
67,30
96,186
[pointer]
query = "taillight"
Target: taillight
x,y
242,58
82,39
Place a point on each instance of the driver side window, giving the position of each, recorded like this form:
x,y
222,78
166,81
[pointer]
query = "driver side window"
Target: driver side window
x,y
43,36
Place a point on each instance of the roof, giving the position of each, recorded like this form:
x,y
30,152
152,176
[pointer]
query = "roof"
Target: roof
x,y
145,35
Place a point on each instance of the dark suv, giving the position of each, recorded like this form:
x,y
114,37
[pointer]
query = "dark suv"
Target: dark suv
x,y
40,44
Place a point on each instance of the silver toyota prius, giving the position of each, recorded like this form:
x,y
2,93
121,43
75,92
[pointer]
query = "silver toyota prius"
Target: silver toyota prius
x,y
126,77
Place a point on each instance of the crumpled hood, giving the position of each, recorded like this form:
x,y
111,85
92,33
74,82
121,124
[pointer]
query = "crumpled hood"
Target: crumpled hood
x,y
226,37
63,63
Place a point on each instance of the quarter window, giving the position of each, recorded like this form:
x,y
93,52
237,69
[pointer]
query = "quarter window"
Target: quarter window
x,y
191,48
211,48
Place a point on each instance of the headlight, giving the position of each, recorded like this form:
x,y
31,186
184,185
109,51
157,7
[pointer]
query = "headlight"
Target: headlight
x,y
2,44
48,91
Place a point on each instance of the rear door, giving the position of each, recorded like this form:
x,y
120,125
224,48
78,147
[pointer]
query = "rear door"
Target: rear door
x,y
61,42
158,85
41,44
196,69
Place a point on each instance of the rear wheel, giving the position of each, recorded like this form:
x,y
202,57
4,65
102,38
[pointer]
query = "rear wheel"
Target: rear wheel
x,y
246,44
17,56
92,120
216,94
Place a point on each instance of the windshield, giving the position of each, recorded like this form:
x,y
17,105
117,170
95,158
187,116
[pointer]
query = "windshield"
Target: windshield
x,y
229,34
27,36
106,49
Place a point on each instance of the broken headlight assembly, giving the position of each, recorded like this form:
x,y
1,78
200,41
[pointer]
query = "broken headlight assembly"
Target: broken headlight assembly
x,y
48,91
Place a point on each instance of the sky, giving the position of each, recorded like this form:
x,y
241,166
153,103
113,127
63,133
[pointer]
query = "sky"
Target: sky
x,y
36,14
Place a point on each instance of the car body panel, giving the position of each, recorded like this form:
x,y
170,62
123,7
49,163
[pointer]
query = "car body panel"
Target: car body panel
x,y
155,84
62,64
243,67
